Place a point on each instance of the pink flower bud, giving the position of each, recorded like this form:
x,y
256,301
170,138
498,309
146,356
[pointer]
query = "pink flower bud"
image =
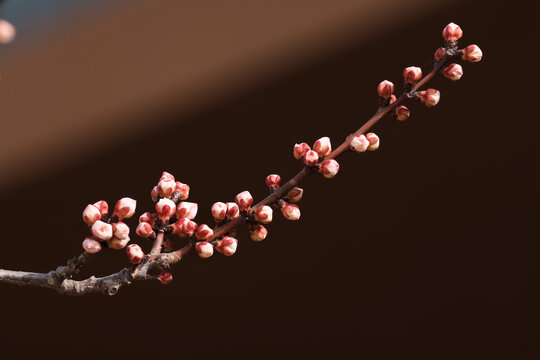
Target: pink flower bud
x,y
430,97
134,253
232,210
187,210
144,230
452,32
453,72
219,211
402,113
91,214
439,53
204,232
125,208
273,181
190,227
165,278
258,233
322,146
263,214
359,143
120,230
204,249
166,187
148,217
183,189
329,168
393,98
385,89
91,246
118,244
154,194
102,230
166,176
227,246
165,208
244,200
7,32
290,211
295,194
102,206
374,141
472,53
178,228
300,150
412,74
311,158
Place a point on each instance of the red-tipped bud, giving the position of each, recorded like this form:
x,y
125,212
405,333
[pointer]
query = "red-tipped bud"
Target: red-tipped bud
x,y
166,187
125,208
183,189
412,74
148,217
244,200
120,230
359,143
102,230
374,141
295,194
118,244
258,233
165,208
154,194
178,228
453,72
452,32
189,228
273,181
290,211
300,150
472,53
393,98
219,211
204,232
91,214
311,158
385,89
102,206
144,230
7,32
204,249
165,278
166,176
439,53
402,113
232,210
263,214
227,246
329,168
323,146
134,253
430,97
187,210
91,246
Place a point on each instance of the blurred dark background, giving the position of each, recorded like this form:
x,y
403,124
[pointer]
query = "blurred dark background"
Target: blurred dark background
x,y
425,249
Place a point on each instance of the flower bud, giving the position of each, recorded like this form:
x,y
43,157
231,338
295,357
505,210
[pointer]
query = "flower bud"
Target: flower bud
x,y
258,233
392,99
329,168
183,189
263,214
166,176
359,143
295,194
188,229
300,150
91,214
273,181
204,232
322,146
439,53
102,230
166,187
7,32
430,97
219,211
134,253
311,158
118,244
165,208
244,200
412,74
91,246
402,113
204,249
452,32
125,208
227,246
102,206
453,72
472,53
165,278
120,230
385,89
374,141
148,217
178,228
187,210
154,194
144,230
290,211
232,210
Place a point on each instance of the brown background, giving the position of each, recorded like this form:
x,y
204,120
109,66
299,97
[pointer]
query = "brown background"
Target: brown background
x,y
426,249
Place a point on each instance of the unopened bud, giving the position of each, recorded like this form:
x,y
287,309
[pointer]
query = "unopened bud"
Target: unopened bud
x,y
165,208
190,227
91,214
263,214
359,143
385,89
472,53
453,72
374,141
148,217
227,246
329,168
154,194
187,210
144,230
7,32
311,158
166,187
258,233
273,181
323,146
244,200
165,278
179,227
290,211
91,246
204,232
402,113
430,97
183,189
120,230
102,230
102,206
300,150
166,176
125,208
295,194
412,74
134,253
118,244
232,210
204,249
439,53
219,211
452,32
